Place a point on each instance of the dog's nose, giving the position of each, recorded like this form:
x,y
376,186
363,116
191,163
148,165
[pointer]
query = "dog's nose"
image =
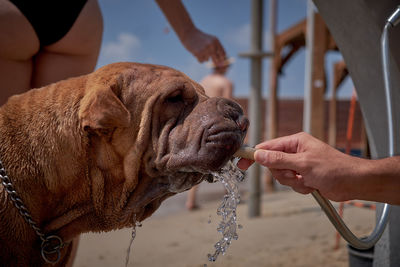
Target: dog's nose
x,y
243,123
232,110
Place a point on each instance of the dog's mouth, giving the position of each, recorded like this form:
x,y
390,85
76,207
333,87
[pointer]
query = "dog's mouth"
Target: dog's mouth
x,y
213,148
223,140
204,145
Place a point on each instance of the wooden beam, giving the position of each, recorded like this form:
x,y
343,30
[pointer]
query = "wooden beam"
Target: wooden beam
x,y
294,33
317,80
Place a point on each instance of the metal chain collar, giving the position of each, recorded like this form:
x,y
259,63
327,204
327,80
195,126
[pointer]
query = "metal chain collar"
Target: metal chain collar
x,y
51,244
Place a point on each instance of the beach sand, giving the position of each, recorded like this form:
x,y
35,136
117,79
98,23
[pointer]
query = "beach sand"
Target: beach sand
x,y
291,231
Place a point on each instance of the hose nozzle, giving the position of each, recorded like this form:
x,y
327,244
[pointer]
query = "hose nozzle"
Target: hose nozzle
x,y
245,152
394,19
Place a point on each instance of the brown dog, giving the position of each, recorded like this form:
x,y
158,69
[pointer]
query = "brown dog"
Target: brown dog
x,y
95,152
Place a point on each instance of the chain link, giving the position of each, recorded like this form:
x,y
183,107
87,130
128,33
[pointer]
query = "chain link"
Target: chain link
x,y
52,244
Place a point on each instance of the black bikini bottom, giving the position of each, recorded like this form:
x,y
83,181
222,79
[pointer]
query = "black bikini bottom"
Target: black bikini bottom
x,y
51,19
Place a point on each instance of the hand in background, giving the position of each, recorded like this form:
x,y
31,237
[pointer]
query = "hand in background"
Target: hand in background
x,y
204,46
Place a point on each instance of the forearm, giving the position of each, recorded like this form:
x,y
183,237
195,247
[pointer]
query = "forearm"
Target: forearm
x,y
379,180
177,16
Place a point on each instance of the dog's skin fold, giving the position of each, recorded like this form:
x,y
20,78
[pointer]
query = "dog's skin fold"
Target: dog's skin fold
x,y
93,152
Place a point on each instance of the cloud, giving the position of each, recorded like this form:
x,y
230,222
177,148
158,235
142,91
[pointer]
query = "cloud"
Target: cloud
x,y
240,37
125,48
195,70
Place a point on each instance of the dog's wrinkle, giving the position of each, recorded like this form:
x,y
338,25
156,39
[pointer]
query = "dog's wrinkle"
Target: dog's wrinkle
x,y
163,137
227,125
182,181
153,190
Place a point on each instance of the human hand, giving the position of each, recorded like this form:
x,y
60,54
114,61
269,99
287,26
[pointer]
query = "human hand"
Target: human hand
x,y
306,163
204,46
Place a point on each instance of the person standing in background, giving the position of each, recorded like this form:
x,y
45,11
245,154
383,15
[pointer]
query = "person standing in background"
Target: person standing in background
x,y
215,84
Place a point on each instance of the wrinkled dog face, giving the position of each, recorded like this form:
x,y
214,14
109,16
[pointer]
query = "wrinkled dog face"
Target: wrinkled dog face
x,y
174,137
202,138
196,134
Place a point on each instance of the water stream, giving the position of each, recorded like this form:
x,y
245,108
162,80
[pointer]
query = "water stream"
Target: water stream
x,y
133,235
230,176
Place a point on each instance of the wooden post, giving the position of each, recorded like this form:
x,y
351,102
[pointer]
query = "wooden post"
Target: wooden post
x,y
339,74
317,43
332,132
318,78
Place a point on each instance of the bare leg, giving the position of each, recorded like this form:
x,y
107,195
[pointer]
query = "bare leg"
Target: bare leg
x,y
76,53
18,44
74,250
191,199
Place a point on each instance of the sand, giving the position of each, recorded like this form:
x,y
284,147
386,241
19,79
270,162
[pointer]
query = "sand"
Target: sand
x,y
291,231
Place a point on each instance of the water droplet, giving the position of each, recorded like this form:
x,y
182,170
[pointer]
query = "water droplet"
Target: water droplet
x,y
133,235
229,176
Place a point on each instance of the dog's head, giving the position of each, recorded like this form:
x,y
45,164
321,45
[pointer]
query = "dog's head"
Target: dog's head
x,y
152,132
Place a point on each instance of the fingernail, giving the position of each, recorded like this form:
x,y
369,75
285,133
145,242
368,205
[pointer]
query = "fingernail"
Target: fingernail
x,y
260,155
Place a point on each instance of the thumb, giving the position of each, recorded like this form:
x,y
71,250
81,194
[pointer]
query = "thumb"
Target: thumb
x,y
276,159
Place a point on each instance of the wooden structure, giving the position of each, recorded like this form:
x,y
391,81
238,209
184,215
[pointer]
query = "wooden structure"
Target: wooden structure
x,y
340,72
294,39
291,41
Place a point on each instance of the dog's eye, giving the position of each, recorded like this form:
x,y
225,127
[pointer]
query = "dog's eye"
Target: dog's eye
x,y
175,98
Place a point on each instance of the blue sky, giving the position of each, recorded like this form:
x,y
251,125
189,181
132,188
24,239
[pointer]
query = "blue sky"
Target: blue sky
x,y
136,30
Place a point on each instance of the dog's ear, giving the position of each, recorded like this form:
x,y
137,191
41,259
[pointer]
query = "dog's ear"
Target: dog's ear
x,y
101,109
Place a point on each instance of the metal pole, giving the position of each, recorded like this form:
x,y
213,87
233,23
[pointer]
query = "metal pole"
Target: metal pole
x,y
309,68
272,105
255,104
272,118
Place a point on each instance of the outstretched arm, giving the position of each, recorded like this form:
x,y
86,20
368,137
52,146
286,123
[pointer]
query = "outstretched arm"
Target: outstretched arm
x,y
203,46
306,163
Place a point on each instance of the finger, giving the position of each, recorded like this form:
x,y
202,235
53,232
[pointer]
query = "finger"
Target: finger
x,y
216,52
220,51
244,164
289,178
287,144
285,177
277,159
303,190
207,53
216,57
201,57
